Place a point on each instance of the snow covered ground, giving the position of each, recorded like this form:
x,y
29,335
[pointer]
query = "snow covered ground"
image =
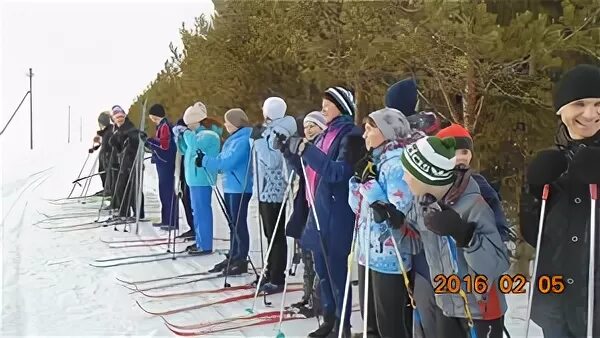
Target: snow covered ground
x,y
49,288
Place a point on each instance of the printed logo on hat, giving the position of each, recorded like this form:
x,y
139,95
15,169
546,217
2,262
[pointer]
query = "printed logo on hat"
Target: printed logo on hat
x,y
426,168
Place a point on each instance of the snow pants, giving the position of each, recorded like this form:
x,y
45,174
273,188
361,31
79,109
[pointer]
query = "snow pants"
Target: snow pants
x,y
203,217
237,209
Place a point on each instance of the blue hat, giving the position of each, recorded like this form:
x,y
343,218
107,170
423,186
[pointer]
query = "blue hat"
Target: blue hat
x,y
402,96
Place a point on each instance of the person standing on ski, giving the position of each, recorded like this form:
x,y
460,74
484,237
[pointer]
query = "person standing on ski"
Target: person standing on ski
x,y
314,124
271,186
568,169
125,141
381,199
234,161
455,227
163,155
101,141
185,194
464,155
329,166
199,137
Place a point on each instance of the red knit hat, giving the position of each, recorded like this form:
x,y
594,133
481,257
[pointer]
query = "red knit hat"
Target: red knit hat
x,y
460,134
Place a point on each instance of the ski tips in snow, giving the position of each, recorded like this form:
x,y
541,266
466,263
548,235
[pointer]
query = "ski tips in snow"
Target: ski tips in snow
x,y
280,335
249,310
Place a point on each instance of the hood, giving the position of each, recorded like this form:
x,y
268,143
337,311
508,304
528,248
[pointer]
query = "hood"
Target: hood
x,y
565,143
286,125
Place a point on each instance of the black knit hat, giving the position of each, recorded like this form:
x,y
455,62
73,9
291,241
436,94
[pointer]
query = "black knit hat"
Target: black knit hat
x,y
157,110
580,82
342,98
104,119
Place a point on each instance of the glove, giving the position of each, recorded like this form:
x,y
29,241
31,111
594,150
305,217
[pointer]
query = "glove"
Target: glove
x,y
585,166
199,158
280,142
143,136
97,139
447,222
387,212
546,167
296,144
365,169
91,150
178,130
257,131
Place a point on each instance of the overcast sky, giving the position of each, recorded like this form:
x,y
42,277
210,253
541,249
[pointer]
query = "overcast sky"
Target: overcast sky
x,y
89,55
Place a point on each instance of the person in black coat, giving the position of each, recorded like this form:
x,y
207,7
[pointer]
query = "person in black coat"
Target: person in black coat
x,y
568,169
101,141
185,198
125,141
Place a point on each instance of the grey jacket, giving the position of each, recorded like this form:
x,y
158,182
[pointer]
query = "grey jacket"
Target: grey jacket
x,y
485,254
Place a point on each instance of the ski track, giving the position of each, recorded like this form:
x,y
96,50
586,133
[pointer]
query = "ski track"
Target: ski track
x,y
49,288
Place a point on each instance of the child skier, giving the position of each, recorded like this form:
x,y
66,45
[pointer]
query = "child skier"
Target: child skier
x,y
191,140
314,124
457,231
377,189
163,155
234,162
565,243
271,186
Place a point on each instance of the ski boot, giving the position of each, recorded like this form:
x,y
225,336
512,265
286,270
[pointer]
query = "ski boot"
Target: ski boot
x,y
219,266
237,267
326,327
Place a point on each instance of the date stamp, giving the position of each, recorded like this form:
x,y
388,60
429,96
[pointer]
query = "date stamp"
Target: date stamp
x,y
506,284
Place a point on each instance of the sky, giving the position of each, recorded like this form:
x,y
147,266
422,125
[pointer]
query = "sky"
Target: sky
x,y
89,55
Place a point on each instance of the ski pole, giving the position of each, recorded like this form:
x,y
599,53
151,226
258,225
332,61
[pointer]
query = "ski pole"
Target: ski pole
x,y
367,278
591,272
88,182
272,241
79,175
545,193
175,204
260,225
85,177
280,333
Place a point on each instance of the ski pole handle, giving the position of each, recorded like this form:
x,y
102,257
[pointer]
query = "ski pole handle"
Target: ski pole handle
x,y
546,192
594,191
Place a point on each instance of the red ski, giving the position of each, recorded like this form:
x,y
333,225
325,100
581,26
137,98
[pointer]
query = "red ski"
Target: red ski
x,y
203,292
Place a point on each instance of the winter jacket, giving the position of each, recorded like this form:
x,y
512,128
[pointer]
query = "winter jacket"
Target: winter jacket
x,y
105,148
234,162
493,200
125,141
388,188
163,147
333,171
565,245
485,254
207,141
272,179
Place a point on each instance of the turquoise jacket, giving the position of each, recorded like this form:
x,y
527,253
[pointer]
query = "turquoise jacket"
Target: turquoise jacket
x,y
209,142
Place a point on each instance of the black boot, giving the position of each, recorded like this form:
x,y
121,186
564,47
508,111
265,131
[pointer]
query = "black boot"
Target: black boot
x,y
335,331
326,327
189,235
237,267
219,266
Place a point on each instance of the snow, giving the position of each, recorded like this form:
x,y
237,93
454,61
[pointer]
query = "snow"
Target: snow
x,y
49,288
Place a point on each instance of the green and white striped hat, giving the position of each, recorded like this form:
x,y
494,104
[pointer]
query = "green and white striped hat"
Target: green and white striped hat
x,y
431,160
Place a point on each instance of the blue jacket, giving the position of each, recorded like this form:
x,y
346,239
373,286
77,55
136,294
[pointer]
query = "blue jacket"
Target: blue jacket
x,y
163,147
388,188
333,170
272,179
234,162
493,200
207,141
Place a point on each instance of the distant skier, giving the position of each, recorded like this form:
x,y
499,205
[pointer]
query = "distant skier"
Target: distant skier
x,y
101,141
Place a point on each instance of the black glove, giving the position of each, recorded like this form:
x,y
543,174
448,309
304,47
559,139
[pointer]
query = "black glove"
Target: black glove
x,y
387,212
448,222
143,136
280,142
585,166
199,158
91,150
257,131
546,167
365,169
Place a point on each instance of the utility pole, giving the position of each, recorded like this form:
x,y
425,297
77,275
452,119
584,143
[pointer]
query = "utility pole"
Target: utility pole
x,y
69,126
80,128
31,107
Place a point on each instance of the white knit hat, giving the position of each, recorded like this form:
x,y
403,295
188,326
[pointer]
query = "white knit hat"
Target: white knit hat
x,y
274,108
317,118
195,113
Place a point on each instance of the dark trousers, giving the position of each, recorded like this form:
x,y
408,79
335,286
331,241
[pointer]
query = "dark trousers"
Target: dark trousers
x,y
389,314
435,324
332,287
127,188
102,165
168,199
277,260
239,239
186,198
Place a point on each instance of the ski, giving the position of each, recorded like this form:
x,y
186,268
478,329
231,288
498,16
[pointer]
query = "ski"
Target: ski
x,y
112,259
204,292
202,279
141,261
142,244
146,281
249,295
105,223
133,240
89,227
